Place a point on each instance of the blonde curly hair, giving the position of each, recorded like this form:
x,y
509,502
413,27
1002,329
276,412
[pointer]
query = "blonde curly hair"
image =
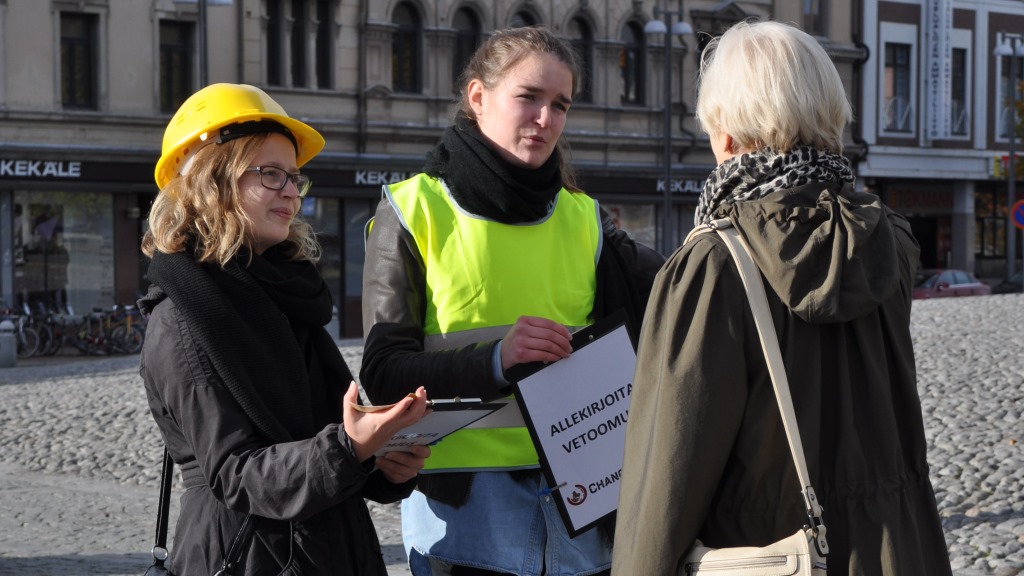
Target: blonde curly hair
x,y
202,209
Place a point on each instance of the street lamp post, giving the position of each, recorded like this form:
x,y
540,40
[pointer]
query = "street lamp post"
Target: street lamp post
x,y
680,28
1013,50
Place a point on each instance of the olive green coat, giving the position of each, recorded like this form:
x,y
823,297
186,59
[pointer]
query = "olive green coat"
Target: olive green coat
x,y
706,453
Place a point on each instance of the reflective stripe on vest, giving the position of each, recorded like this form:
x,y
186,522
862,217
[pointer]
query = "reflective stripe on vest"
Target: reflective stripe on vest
x,y
481,276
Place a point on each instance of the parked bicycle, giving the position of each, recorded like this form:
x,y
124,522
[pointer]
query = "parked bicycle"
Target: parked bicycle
x,y
25,335
119,330
125,329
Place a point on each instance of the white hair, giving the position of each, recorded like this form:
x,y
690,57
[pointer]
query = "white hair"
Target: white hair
x,y
771,85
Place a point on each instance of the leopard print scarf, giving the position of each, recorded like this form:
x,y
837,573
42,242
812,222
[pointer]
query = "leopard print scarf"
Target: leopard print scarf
x,y
754,175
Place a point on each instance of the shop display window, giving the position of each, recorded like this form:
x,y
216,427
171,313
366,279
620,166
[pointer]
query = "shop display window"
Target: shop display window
x,y
322,215
636,219
63,250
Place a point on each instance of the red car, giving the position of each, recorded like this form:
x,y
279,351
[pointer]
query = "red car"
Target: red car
x,y
937,283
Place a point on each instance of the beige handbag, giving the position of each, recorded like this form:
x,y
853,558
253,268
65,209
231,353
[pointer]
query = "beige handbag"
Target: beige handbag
x,y
803,553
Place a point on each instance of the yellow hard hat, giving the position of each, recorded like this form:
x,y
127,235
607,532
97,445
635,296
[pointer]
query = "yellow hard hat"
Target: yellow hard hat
x,y
204,115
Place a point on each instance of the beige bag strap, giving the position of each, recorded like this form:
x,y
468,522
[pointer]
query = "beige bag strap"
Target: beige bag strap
x,y
751,276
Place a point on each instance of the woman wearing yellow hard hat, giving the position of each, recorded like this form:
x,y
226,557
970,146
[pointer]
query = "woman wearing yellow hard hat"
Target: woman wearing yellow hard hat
x,y
251,395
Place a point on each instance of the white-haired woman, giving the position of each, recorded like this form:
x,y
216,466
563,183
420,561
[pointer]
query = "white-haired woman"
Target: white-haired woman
x,y
706,451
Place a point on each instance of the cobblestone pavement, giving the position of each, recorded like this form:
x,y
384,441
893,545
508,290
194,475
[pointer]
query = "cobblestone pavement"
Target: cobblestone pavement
x,y
79,453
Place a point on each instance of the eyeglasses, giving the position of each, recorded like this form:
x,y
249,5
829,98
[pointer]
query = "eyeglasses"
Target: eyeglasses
x,y
274,178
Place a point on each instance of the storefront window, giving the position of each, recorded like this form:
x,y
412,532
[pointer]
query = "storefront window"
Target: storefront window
x,y
322,215
638,220
64,250
357,214
990,224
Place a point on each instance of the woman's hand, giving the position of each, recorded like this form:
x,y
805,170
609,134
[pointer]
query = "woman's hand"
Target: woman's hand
x,y
369,431
533,339
399,467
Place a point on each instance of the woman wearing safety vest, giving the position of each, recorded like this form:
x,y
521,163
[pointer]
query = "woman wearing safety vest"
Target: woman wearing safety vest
x,y
247,388
488,259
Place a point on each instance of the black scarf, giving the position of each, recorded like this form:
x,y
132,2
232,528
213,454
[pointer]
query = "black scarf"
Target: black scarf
x,y
261,327
486,185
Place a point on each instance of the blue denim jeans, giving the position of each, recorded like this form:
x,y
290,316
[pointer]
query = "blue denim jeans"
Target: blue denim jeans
x,y
505,526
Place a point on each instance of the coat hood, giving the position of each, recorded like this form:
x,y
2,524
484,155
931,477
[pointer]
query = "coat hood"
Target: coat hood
x,y
827,251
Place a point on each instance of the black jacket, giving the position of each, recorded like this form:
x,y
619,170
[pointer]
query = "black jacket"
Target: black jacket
x,y
308,492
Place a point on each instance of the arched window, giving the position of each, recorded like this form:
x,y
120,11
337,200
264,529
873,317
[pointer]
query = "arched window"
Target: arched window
x,y
405,62
324,42
176,57
632,65
299,35
79,39
299,43
582,39
275,48
467,39
815,18
522,18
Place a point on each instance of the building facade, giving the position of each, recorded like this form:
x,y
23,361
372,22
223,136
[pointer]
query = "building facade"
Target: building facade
x,y
87,86
937,119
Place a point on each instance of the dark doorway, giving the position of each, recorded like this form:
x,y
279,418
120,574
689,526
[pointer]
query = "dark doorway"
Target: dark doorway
x,y
925,230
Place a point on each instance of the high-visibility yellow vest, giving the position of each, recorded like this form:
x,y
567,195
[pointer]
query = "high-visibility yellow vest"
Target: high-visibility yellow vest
x,y
481,276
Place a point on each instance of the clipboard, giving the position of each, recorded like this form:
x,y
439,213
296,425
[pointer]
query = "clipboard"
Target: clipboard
x,y
576,411
445,417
